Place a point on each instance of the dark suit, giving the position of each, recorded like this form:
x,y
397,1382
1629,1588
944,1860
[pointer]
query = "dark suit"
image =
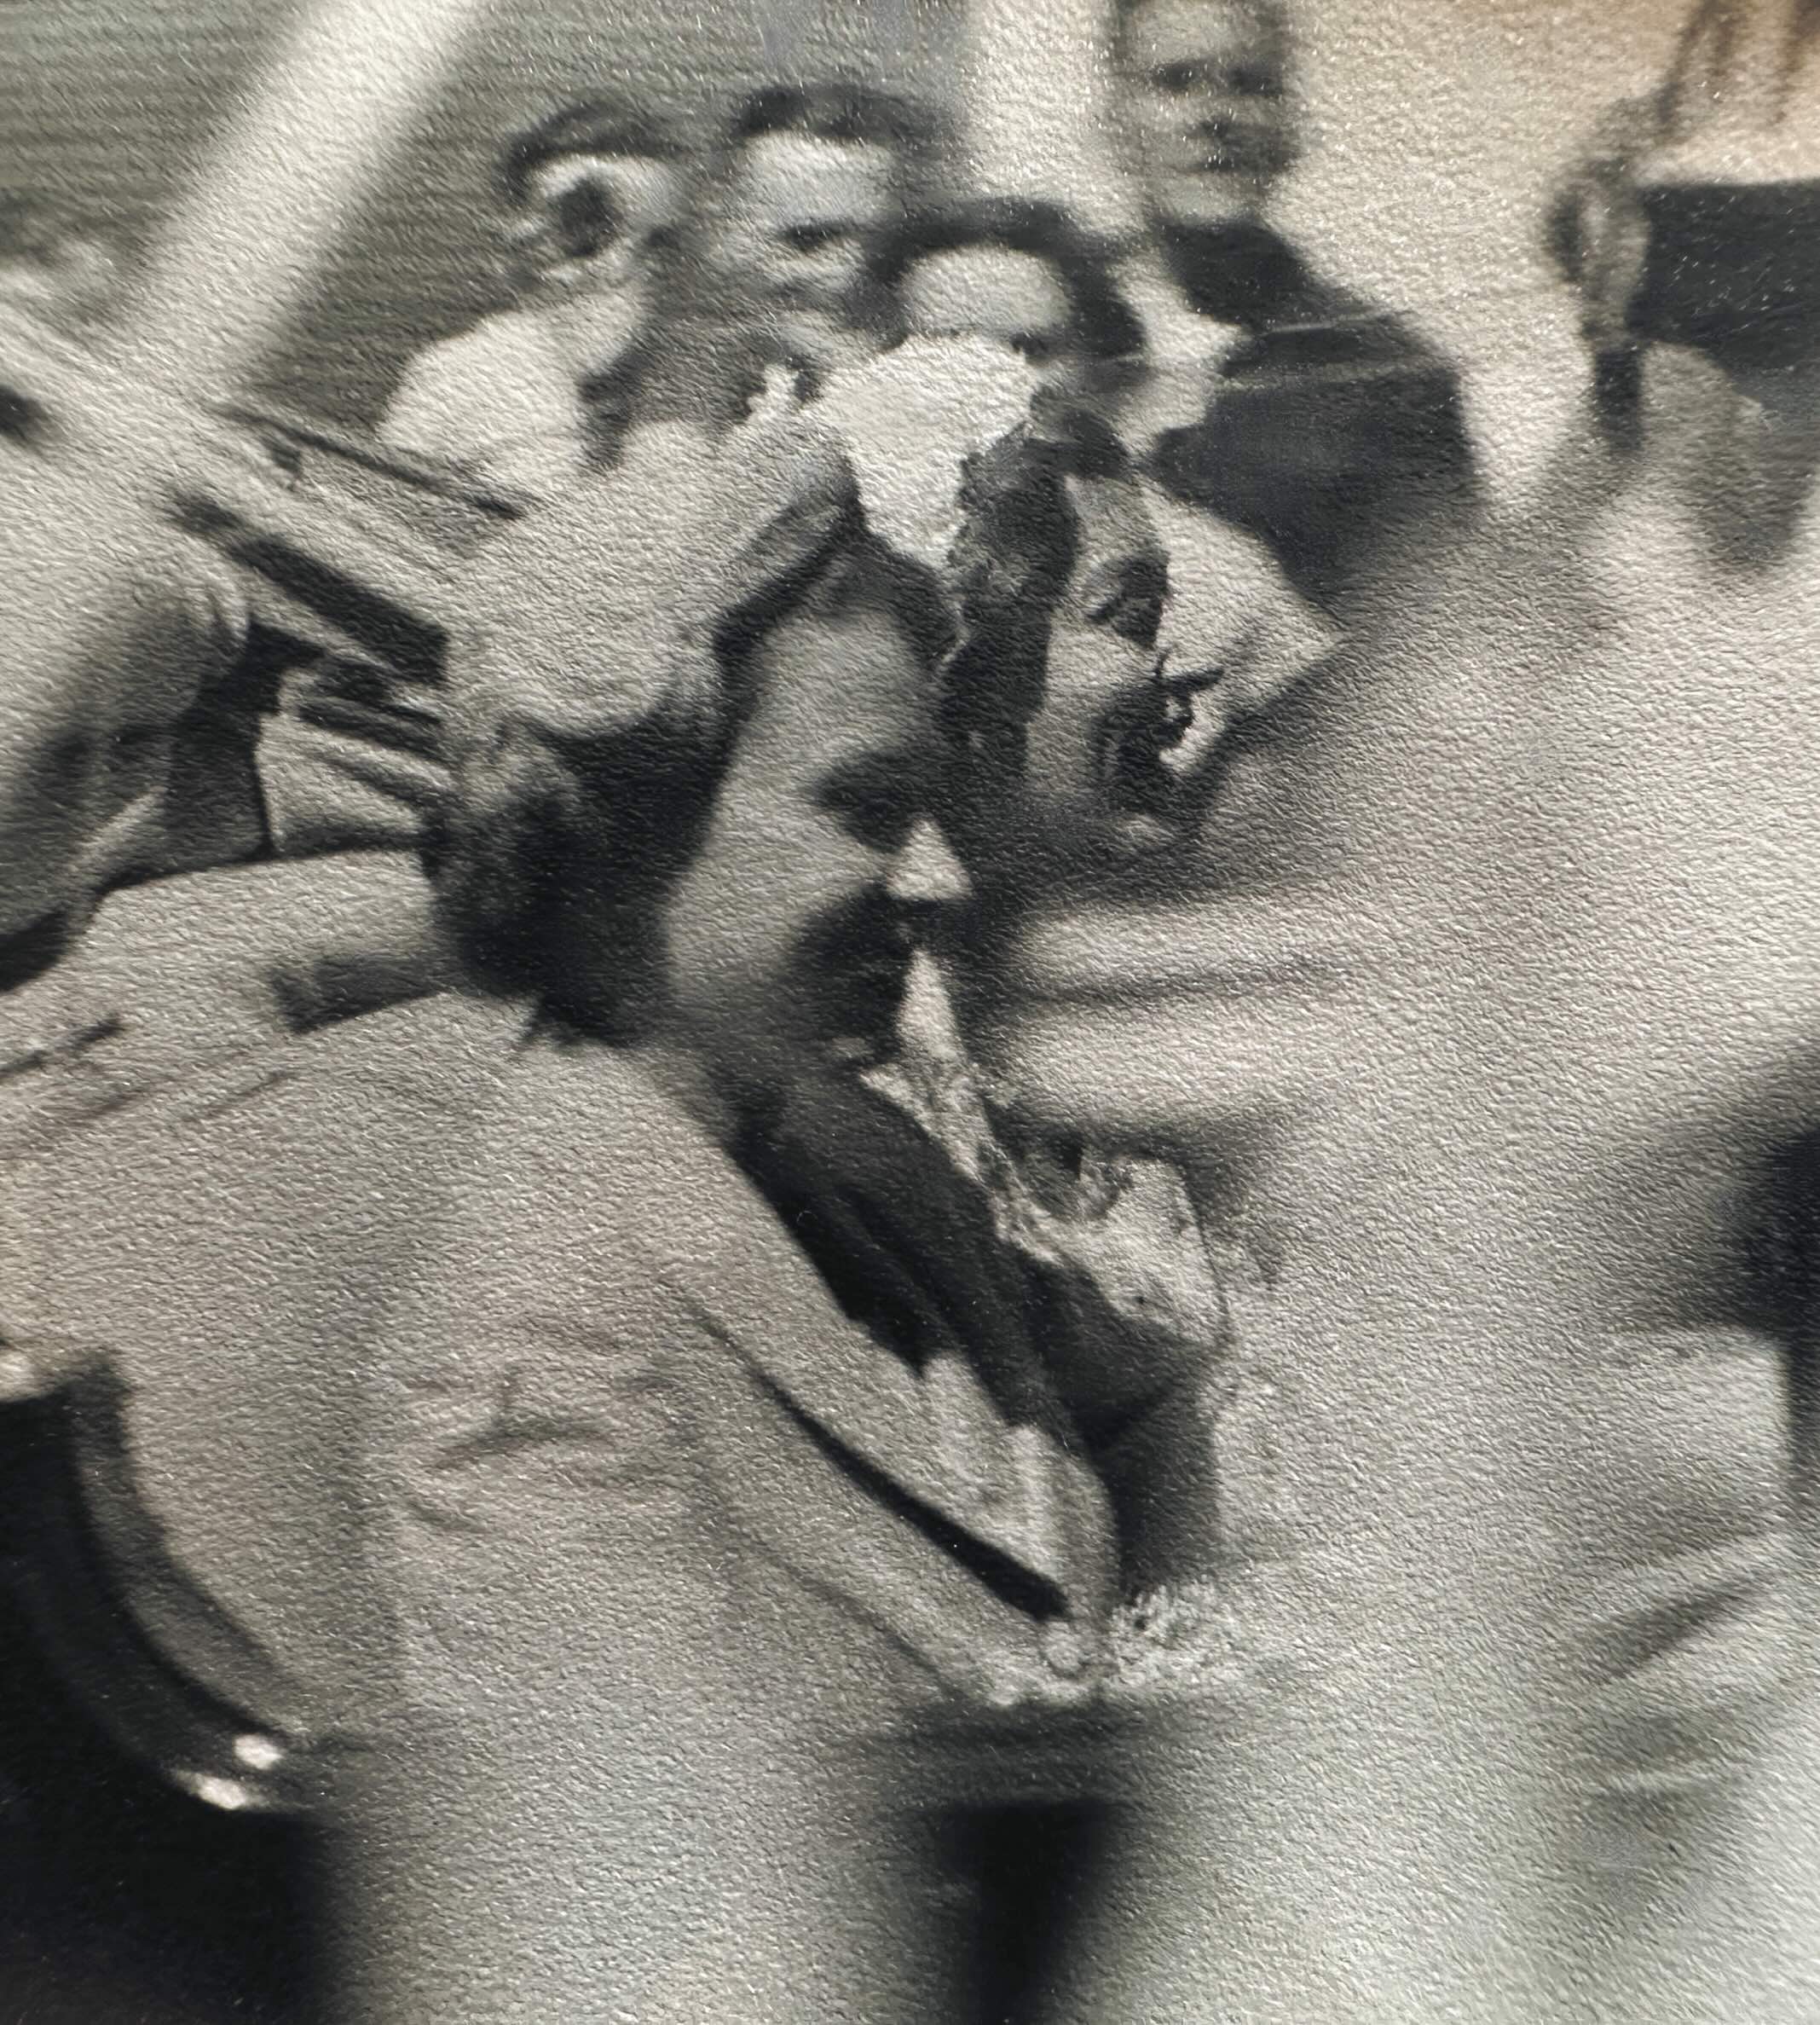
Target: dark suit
x,y
1332,427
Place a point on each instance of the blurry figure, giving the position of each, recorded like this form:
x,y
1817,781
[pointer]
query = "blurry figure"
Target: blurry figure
x,y
1019,273
1687,220
1285,402
1133,980
809,182
598,197
62,267
1691,522
90,748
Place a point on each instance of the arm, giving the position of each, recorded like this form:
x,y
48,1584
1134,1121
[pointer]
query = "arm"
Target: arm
x,y
594,1796
148,631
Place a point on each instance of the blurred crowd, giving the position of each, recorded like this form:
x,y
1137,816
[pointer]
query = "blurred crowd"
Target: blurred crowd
x,y
592,1059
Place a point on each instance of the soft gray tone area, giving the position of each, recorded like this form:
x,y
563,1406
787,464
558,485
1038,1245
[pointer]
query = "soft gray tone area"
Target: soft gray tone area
x,y
1557,800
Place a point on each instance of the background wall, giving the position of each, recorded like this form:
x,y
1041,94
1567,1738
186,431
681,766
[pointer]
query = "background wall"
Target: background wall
x,y
1439,128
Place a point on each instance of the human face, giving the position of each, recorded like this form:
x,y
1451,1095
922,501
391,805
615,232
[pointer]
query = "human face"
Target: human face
x,y
789,939
800,218
1119,850
1203,95
602,221
1015,299
1099,687
72,288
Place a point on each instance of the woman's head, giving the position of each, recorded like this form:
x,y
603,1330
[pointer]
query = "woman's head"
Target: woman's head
x,y
1015,272
1108,628
1055,689
736,862
1115,689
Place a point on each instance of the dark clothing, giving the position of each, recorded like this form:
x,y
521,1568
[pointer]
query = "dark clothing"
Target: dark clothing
x,y
1333,426
904,1240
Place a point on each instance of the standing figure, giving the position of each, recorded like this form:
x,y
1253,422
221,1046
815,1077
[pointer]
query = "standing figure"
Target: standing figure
x,y
1288,404
1688,748
597,196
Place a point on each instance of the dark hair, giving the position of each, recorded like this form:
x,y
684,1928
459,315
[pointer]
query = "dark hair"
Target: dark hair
x,y
839,110
1009,568
1103,325
1274,13
554,842
602,126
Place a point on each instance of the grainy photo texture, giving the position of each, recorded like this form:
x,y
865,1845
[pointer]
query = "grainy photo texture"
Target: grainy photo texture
x,y
910,1012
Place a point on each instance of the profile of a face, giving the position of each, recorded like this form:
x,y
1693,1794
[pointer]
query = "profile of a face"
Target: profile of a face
x,y
1204,94
595,221
1130,843
798,219
788,939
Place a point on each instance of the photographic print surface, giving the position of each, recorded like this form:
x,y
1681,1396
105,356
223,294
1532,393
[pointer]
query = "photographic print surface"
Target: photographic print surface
x,y
908,1089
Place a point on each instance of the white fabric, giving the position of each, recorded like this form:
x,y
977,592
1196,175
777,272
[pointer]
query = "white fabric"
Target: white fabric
x,y
497,401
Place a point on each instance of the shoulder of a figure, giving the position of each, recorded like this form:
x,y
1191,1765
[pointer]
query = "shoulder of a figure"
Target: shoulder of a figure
x,y
1372,329
413,1072
550,1327
506,334
458,380
579,1174
264,1182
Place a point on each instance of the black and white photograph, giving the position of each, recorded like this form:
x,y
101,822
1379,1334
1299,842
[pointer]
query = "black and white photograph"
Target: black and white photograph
x,y
910,1012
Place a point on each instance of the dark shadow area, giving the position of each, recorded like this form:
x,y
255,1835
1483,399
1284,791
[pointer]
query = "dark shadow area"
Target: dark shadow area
x,y
1030,1865
124,1900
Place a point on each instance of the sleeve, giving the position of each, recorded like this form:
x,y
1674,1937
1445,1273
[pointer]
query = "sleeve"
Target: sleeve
x,y
1685,1591
587,1799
